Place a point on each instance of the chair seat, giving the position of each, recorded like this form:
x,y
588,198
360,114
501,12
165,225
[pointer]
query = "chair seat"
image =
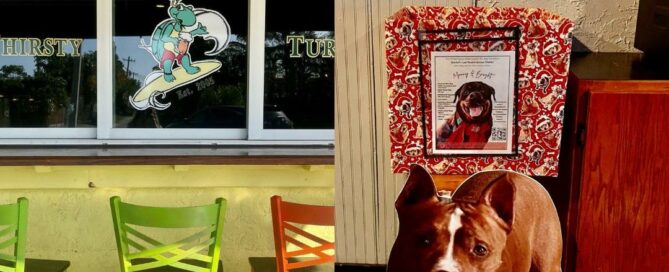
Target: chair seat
x,y
43,265
174,269
268,264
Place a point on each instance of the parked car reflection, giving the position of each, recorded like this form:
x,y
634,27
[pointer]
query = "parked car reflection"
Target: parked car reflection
x,y
232,117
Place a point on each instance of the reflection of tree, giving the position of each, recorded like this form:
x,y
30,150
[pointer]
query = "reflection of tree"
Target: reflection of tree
x,y
76,80
49,97
124,86
12,79
301,87
230,87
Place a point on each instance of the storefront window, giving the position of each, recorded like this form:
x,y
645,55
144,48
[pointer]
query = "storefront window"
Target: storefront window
x,y
47,64
299,65
192,70
180,64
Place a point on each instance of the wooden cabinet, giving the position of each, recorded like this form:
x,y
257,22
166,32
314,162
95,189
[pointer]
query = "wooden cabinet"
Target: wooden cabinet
x,y
617,164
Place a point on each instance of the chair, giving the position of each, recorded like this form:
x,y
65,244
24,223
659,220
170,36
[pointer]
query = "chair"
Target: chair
x,y
186,254
13,232
286,213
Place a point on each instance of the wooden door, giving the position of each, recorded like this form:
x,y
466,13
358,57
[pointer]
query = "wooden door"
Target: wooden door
x,y
623,216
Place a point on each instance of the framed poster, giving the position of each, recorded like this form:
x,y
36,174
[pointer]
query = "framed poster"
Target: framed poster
x,y
473,94
542,43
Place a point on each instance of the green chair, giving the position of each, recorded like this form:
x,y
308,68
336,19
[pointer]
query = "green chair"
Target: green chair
x,y
13,232
198,252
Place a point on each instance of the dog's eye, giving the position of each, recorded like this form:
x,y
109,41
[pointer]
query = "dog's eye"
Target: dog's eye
x,y
423,241
480,250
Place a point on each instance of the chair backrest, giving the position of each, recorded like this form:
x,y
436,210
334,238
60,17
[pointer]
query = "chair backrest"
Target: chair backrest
x,y
13,231
285,213
187,253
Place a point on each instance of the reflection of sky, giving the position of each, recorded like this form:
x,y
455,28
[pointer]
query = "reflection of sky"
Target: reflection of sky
x,y
129,47
28,62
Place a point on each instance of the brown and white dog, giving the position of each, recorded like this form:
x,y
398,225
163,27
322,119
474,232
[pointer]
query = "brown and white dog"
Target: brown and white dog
x,y
472,121
496,221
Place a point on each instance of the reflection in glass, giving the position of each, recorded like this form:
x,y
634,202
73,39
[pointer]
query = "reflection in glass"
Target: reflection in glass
x,y
299,65
48,73
202,98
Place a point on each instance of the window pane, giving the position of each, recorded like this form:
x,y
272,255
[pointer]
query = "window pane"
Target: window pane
x,y
299,65
180,65
47,64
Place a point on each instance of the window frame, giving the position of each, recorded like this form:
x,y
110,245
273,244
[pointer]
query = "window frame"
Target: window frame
x,y
257,82
105,132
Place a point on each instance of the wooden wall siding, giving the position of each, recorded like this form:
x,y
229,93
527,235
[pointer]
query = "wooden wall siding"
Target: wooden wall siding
x,y
365,186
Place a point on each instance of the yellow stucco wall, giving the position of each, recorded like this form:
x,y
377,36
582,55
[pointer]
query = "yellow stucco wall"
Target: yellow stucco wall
x,y
69,220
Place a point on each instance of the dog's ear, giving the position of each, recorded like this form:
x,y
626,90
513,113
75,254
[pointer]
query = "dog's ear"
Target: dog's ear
x,y
488,91
418,188
491,92
499,196
458,92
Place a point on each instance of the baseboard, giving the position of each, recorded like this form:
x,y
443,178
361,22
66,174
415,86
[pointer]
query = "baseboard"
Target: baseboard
x,y
351,267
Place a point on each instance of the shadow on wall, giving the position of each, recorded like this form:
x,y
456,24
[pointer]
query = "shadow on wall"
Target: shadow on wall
x,y
579,47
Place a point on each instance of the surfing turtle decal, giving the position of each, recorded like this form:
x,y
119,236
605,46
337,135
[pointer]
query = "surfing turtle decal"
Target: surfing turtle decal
x,y
169,47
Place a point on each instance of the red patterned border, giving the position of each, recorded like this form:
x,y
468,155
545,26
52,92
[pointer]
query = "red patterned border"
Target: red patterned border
x,y
543,67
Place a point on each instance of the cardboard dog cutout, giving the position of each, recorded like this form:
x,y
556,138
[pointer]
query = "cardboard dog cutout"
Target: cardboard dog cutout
x,y
495,221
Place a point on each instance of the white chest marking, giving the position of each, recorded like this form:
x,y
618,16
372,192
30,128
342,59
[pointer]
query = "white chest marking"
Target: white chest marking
x,y
447,262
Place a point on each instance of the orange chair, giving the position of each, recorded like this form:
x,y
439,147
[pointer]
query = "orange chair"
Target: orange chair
x,y
285,213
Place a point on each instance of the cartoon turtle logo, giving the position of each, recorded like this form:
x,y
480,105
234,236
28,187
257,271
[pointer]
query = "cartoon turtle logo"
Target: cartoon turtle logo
x,y
170,44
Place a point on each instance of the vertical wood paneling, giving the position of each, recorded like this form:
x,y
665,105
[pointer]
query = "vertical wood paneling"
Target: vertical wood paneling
x,y
351,107
356,183
380,10
345,249
354,111
366,124
365,188
373,13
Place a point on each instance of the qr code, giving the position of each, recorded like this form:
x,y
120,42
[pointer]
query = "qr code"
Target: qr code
x,y
498,134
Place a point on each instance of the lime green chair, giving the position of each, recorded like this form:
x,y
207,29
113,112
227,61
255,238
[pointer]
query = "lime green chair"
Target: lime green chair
x,y
198,252
13,232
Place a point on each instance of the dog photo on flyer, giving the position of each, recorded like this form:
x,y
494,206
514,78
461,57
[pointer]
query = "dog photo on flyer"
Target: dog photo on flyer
x,y
472,95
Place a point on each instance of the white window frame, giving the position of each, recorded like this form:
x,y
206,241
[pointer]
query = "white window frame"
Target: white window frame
x,y
256,99
105,132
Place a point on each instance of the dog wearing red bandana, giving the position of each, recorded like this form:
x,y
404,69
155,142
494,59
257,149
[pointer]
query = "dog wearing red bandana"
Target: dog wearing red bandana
x,y
471,124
